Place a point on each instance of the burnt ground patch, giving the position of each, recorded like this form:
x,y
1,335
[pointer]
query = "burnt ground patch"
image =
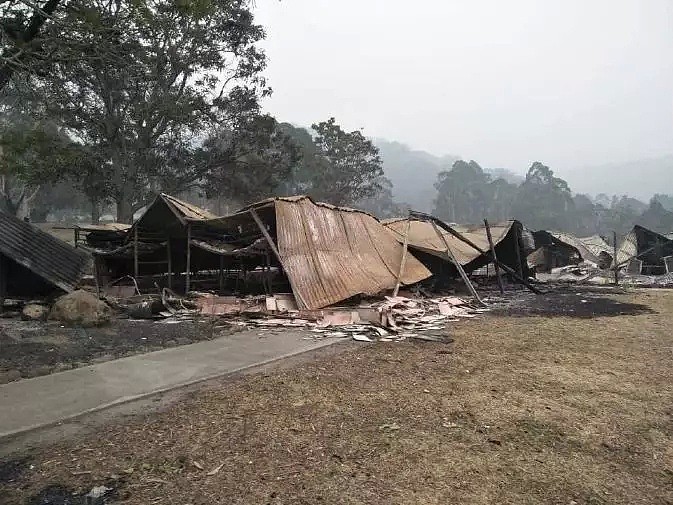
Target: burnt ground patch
x,y
31,349
11,469
581,303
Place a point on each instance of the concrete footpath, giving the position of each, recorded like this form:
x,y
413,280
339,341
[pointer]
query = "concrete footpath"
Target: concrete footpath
x,y
43,401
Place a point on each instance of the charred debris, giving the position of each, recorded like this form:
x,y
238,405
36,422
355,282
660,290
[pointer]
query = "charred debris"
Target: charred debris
x,y
291,261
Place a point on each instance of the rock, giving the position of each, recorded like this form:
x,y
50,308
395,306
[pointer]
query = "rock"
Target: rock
x,y
34,312
81,308
43,370
183,341
9,376
170,343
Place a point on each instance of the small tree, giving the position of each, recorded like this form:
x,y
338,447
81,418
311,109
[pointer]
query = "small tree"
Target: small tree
x,y
152,79
249,162
31,154
348,167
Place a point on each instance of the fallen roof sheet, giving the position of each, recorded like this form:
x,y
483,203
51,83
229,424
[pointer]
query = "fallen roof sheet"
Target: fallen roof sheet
x,y
55,261
590,248
422,236
332,254
639,242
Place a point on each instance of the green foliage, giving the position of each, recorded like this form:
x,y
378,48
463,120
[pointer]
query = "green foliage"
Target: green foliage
x,y
152,77
382,204
346,166
463,193
543,200
335,166
249,163
32,153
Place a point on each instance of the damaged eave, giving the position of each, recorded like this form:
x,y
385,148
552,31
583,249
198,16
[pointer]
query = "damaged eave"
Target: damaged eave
x,y
53,260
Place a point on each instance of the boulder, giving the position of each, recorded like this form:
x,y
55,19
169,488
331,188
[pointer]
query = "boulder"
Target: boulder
x,y
81,308
9,376
34,312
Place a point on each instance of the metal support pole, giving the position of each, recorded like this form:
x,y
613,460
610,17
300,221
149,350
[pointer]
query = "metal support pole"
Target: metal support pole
x,y
221,274
495,258
403,262
189,257
169,260
459,267
300,303
135,253
614,249
519,265
4,270
514,274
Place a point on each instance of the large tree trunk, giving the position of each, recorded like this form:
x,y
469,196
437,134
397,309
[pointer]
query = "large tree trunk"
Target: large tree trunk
x,y
95,211
124,212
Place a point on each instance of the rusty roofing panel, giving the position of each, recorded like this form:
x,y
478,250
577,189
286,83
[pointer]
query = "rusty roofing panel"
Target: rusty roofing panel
x,y
423,237
331,254
52,259
187,210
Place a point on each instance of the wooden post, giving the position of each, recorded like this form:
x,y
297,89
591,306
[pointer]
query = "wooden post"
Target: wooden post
x,y
221,275
459,267
300,302
135,253
514,274
517,249
4,270
169,260
614,249
403,262
96,275
189,257
495,258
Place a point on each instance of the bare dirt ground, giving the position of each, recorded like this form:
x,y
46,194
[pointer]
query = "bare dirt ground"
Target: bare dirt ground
x,y
34,348
555,409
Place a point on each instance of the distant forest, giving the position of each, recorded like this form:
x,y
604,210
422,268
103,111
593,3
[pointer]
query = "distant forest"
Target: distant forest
x,y
394,179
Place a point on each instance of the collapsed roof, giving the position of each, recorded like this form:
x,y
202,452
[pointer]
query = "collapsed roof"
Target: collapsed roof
x,y
169,213
423,237
590,248
647,246
329,253
55,262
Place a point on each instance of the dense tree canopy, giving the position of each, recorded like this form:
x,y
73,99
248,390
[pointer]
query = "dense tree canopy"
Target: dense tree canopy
x,y
467,194
170,72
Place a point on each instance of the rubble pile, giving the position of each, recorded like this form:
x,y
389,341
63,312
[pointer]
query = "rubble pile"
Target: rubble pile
x,y
383,319
390,319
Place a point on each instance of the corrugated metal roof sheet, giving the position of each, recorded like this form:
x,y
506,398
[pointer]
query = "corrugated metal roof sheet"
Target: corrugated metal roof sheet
x,y
331,254
187,210
52,259
589,248
96,227
423,237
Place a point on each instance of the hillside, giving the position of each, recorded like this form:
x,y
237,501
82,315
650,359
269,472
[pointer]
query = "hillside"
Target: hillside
x,y
639,179
414,173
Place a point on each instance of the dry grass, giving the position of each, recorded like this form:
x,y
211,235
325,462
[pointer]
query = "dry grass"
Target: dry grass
x,y
517,410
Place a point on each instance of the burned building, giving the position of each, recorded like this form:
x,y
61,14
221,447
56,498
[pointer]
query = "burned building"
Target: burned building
x,y
646,252
34,263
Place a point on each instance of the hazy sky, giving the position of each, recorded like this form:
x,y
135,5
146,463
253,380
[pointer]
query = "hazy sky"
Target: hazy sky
x,y
504,82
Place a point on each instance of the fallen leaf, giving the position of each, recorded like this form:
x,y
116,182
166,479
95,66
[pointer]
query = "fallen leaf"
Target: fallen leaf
x,y
216,469
197,465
